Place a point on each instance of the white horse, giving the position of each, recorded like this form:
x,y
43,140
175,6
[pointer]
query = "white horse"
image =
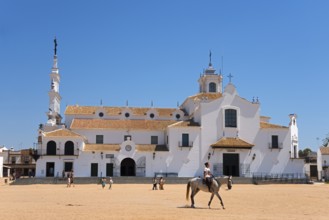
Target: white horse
x,y
196,184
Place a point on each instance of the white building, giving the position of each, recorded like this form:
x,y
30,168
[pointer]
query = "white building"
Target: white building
x,y
213,125
3,148
1,165
323,163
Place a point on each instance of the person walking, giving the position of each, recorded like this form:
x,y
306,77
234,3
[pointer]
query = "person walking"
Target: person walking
x,y
155,182
110,183
103,182
161,183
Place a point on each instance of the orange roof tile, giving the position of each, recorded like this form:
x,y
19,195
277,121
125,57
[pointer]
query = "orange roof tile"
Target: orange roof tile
x,y
210,96
80,110
102,147
120,124
61,133
90,110
189,123
229,142
268,125
324,150
146,147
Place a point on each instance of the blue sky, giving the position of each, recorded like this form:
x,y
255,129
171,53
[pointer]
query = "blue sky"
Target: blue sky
x,y
152,50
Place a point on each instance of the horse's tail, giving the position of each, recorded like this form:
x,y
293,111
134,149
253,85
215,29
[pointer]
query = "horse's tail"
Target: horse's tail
x,y
188,189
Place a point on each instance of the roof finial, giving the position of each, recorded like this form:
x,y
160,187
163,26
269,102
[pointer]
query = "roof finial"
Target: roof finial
x,y
210,58
230,76
55,49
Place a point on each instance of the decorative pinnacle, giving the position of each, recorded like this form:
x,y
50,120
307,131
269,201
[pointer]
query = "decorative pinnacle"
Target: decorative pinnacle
x,y
55,48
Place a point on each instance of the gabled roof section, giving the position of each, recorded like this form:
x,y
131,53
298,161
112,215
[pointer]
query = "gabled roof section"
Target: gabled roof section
x,y
115,111
265,125
120,124
63,132
324,150
234,143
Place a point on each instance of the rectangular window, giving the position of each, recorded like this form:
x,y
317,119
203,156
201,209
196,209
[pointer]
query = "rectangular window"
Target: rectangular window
x,y
275,141
68,166
154,139
127,138
13,160
99,139
230,118
185,140
26,159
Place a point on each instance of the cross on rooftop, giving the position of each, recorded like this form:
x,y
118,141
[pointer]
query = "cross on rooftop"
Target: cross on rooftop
x,y
230,76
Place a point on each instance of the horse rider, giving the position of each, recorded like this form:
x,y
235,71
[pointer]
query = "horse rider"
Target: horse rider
x,y
207,176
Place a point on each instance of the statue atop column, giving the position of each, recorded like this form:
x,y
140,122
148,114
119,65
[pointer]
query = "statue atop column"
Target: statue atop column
x,y
55,49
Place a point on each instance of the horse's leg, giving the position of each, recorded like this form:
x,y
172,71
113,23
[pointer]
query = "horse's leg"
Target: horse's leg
x,y
192,198
211,197
193,193
220,199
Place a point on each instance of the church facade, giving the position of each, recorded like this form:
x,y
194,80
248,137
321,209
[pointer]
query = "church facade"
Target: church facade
x,y
215,125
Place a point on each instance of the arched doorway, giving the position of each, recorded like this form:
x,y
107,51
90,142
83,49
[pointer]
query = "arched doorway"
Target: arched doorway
x,y
128,167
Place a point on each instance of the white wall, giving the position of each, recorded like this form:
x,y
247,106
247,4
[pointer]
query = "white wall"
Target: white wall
x,y
1,165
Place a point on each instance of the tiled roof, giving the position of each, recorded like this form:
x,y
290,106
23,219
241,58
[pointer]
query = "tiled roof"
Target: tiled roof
x,y
209,96
120,124
145,147
114,111
102,147
324,150
189,123
61,133
229,142
268,125
151,147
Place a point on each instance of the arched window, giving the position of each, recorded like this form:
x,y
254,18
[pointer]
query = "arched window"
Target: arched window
x,y
212,87
51,148
230,118
69,148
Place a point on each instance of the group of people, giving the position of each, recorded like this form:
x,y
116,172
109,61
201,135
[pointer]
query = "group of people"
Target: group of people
x,y
159,181
103,182
207,178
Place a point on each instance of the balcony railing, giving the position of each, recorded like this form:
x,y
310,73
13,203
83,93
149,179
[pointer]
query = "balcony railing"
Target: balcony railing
x,y
185,144
36,155
275,146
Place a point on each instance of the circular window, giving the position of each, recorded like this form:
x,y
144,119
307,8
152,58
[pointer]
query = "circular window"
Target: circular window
x,y
178,116
101,114
127,115
151,115
128,147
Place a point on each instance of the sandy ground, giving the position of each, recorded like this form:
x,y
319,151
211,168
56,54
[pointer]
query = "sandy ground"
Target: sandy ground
x,y
139,201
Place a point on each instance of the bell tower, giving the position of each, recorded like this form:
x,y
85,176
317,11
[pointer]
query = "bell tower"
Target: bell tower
x,y
210,81
54,117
